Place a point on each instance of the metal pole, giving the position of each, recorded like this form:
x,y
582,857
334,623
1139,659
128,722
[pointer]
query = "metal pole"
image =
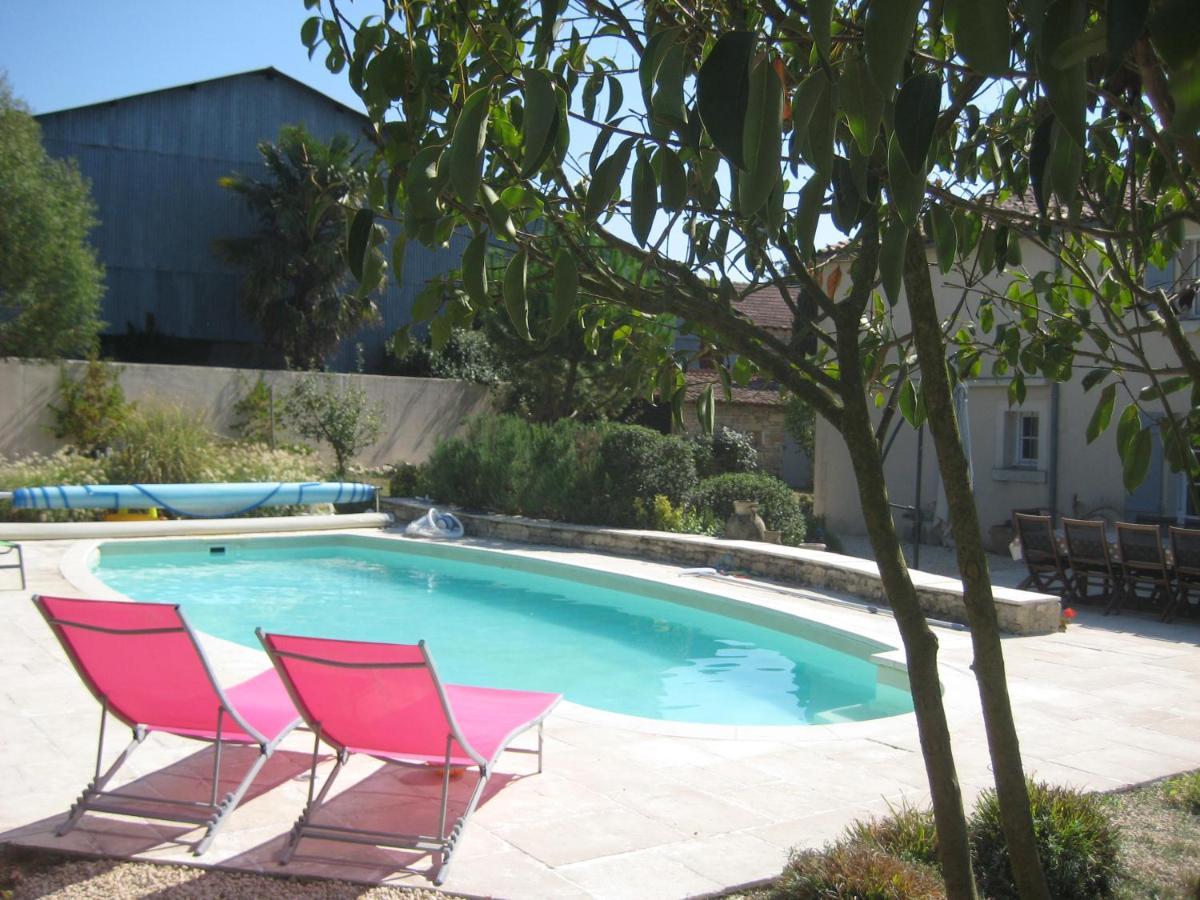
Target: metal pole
x,y
271,405
917,501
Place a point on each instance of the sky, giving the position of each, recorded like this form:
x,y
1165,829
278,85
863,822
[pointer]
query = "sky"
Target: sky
x,y
59,54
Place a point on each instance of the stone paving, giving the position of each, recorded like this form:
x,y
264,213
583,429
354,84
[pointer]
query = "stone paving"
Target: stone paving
x,y
625,807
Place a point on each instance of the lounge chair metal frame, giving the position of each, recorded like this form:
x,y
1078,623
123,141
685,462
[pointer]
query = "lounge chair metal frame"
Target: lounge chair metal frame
x,y
212,814
1144,565
445,841
7,547
1089,557
1185,553
1042,556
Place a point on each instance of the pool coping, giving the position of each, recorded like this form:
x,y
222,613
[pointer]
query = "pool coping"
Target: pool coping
x,y
1019,612
75,567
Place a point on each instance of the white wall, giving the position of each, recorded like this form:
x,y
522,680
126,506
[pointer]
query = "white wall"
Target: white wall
x,y
417,412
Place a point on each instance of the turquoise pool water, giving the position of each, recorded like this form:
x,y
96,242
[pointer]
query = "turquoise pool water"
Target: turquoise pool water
x,y
610,642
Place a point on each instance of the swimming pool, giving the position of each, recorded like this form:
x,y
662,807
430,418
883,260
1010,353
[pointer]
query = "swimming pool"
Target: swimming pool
x,y
611,642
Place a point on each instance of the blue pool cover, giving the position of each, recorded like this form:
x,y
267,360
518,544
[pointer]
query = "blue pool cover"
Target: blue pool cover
x,y
198,500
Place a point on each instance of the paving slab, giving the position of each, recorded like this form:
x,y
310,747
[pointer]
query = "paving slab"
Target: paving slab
x,y
625,807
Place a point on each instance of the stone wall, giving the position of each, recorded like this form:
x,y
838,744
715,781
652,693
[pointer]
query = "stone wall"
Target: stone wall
x,y
1019,612
762,421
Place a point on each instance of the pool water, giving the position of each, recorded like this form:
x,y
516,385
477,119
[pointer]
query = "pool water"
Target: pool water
x,y
514,625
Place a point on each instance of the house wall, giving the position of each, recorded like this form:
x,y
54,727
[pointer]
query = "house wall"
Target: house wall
x,y
750,418
154,161
417,413
1071,478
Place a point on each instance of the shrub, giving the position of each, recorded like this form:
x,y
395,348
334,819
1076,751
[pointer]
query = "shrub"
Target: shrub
x,y
854,871
91,408
777,503
257,413
635,462
1184,791
341,417
64,467
160,445
1077,842
725,450
257,462
406,480
907,832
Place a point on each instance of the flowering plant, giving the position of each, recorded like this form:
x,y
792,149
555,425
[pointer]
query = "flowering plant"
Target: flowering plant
x,y
1065,618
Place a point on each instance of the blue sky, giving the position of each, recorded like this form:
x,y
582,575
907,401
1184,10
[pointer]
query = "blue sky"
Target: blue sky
x,y
64,53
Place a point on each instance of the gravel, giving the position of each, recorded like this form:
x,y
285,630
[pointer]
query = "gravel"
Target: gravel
x,y
28,874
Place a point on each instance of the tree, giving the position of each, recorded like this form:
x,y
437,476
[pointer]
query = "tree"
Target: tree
x,y
340,416
296,275
882,101
51,283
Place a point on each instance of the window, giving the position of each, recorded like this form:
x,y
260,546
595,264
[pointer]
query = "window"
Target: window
x,y
1022,439
1179,278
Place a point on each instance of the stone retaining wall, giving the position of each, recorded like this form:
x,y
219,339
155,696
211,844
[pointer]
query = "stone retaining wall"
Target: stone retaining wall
x,y
1019,612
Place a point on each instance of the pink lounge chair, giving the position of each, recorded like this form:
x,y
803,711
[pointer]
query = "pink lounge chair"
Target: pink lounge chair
x,y
385,700
144,665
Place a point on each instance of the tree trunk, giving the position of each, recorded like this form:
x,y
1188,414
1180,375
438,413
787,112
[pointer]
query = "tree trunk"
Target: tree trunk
x,y
920,643
988,665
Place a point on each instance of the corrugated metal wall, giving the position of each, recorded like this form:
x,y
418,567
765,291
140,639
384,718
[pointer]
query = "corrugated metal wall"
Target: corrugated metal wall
x,y
154,161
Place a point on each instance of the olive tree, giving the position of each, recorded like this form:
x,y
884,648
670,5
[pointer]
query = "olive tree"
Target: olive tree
x,y
732,129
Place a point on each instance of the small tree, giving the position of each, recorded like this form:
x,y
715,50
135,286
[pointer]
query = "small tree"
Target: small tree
x,y
92,408
342,418
51,283
296,271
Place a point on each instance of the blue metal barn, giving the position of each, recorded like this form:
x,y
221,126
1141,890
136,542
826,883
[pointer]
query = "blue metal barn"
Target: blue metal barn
x,y
154,161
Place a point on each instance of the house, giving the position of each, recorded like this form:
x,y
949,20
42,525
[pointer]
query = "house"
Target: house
x,y
1029,456
154,161
758,410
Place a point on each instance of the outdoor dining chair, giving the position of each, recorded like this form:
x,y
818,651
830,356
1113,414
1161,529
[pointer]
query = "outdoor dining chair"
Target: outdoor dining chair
x,y
386,701
1046,564
1185,551
1145,571
1089,557
142,662
10,553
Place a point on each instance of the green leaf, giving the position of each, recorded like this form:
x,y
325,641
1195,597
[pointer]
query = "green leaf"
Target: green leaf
x,y
808,214
439,332
813,120
515,299
357,243
667,104
908,404
677,399
540,122
466,147
906,190
657,48
891,259
945,238
1066,88
1039,162
1102,415
982,33
723,93
847,202
726,382
644,198
820,18
566,290
1135,459
706,410
309,31
889,37
1128,425
616,97
916,118
606,181
762,142
1066,165
497,212
674,179
861,101
474,271
1126,22
1093,378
